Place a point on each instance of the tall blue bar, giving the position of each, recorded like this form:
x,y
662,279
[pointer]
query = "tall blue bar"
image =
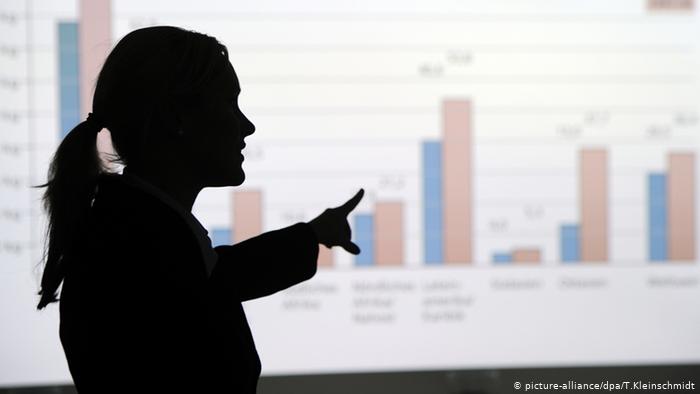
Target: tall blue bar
x,y
658,219
68,77
501,258
569,243
432,200
364,238
221,236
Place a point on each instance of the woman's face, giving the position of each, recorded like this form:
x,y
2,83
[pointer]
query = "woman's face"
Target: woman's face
x,y
214,131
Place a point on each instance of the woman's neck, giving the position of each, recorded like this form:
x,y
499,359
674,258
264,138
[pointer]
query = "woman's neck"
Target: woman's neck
x,y
172,182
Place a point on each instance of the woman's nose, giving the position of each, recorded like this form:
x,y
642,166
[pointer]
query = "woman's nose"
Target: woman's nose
x,y
250,127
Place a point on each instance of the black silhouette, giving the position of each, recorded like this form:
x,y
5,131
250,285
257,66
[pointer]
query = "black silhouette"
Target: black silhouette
x,y
147,305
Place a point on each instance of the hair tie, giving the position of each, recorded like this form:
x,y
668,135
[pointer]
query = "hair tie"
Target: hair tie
x,y
95,122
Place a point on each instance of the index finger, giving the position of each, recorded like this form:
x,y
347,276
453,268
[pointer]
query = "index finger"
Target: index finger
x,y
352,203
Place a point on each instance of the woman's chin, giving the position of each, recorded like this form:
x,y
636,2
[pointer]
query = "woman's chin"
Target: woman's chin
x,y
229,178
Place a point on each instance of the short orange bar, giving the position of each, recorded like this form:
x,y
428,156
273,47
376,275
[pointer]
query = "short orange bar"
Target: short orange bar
x,y
593,202
247,214
457,180
325,256
388,233
681,206
526,256
670,5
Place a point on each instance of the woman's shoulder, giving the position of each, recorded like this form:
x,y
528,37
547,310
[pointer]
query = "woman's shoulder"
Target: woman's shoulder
x,y
131,227
119,206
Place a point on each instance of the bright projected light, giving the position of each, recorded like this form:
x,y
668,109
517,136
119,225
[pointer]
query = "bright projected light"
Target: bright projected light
x,y
531,170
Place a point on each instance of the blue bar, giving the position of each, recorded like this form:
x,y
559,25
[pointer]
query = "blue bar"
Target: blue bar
x,y
68,77
500,258
221,236
569,243
658,220
432,200
364,238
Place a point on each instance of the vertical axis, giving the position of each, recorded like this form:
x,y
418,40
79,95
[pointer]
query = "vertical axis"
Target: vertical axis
x,y
29,113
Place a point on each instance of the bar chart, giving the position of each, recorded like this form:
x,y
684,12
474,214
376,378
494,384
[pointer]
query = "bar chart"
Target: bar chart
x,y
446,174
447,203
526,164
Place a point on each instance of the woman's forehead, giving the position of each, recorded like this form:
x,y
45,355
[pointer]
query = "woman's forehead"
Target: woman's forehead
x,y
224,83
229,79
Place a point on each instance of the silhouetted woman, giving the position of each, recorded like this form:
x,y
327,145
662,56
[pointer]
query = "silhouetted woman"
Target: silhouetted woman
x,y
147,305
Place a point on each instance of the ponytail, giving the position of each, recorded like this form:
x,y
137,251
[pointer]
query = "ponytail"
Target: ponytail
x,y
69,192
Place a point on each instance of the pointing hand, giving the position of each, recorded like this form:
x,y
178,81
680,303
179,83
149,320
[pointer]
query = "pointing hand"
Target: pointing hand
x,y
332,227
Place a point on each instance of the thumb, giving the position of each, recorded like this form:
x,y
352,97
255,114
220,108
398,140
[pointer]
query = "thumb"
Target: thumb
x,y
351,247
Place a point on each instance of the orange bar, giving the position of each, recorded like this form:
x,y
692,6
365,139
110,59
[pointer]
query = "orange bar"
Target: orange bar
x,y
457,180
681,206
670,5
247,214
594,204
526,256
95,41
325,256
388,233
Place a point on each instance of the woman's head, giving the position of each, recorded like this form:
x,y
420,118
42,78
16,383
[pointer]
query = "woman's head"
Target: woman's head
x,y
164,93
165,89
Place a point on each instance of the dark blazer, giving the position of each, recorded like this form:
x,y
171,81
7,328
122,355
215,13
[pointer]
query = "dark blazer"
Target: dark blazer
x,y
138,312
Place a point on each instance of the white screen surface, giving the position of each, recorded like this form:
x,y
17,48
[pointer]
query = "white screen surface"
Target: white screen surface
x,y
572,115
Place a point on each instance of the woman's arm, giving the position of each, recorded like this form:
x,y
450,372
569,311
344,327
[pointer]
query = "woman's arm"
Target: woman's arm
x,y
268,263
275,260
